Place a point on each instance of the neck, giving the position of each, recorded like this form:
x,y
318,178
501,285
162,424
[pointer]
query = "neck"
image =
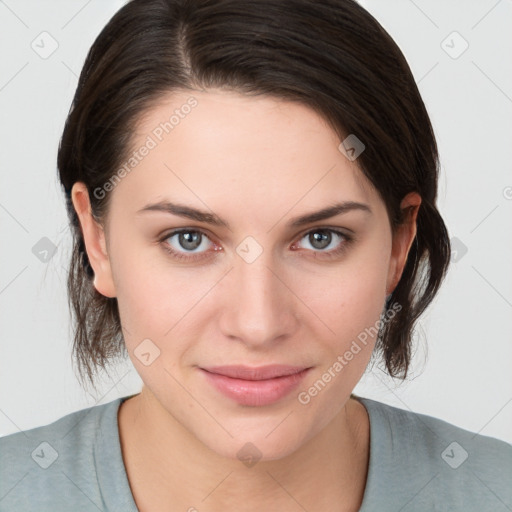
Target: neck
x,y
168,466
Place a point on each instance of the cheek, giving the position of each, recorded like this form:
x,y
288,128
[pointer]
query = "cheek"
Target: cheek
x,y
350,296
146,292
158,300
351,308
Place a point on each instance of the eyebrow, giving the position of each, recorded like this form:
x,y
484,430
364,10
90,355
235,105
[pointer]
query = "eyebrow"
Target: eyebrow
x,y
210,218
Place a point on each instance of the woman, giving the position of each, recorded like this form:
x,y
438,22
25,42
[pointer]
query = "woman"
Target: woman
x,y
252,188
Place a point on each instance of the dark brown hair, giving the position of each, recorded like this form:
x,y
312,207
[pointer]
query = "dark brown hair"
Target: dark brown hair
x,y
331,56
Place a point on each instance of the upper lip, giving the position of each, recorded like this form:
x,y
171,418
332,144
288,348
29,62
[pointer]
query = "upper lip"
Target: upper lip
x,y
256,373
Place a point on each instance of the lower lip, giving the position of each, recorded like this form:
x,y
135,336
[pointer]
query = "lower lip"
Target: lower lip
x,y
255,392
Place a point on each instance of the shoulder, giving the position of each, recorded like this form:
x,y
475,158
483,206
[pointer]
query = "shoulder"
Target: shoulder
x,y
437,464
53,466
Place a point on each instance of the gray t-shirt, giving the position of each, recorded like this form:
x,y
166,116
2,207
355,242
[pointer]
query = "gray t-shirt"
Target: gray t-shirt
x,y
417,463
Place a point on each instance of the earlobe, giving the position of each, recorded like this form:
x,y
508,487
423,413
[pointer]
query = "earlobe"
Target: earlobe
x,y
95,242
403,239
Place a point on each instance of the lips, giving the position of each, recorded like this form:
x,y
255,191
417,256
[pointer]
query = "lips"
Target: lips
x,y
256,373
255,387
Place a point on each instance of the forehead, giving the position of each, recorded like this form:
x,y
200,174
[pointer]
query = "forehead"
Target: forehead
x,y
227,146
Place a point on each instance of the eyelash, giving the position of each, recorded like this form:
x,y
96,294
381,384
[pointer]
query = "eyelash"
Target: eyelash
x,y
347,241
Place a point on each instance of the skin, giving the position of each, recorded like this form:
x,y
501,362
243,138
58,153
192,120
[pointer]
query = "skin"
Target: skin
x,y
256,162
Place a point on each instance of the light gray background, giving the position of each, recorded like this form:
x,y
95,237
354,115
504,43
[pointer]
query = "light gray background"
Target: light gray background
x,y
461,371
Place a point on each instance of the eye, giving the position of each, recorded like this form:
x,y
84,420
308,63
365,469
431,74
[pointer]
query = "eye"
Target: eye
x,y
320,239
189,240
186,243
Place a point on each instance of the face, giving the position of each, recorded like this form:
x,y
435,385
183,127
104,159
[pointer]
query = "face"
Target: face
x,y
244,282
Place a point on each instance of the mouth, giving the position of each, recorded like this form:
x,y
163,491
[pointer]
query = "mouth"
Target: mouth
x,y
255,386
256,373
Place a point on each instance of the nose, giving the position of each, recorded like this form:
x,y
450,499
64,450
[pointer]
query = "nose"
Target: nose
x,y
259,308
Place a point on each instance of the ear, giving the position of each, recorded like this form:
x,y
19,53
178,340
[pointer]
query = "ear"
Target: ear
x,y
94,239
403,239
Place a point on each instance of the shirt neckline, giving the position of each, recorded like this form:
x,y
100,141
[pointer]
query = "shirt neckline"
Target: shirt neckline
x,y
114,484
371,498
115,487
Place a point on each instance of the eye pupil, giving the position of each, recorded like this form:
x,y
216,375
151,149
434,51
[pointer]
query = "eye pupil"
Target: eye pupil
x,y
190,239
324,237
